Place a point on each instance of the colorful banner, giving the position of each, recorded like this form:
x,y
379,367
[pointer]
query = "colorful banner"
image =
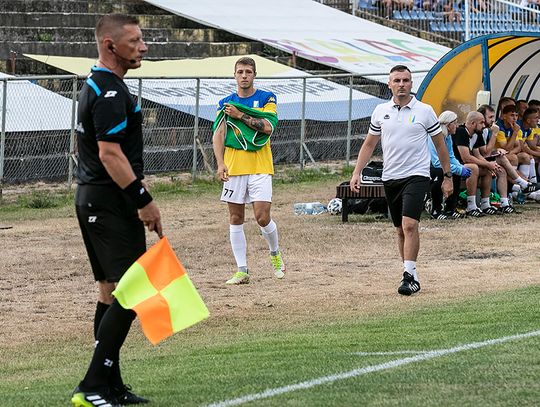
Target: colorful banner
x,y
158,289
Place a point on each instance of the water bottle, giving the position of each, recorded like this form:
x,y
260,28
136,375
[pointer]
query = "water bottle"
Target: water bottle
x,y
309,208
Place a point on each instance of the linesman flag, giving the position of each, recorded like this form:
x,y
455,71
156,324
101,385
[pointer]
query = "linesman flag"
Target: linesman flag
x,y
159,290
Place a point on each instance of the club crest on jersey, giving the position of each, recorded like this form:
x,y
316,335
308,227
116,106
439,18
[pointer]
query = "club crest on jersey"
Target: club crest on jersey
x,y
411,119
255,103
110,94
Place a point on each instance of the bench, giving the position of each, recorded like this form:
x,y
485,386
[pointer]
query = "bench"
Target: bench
x,y
366,191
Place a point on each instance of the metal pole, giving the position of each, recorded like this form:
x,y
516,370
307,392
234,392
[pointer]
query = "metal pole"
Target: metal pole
x,y
353,7
196,130
303,124
349,121
71,154
139,93
467,21
3,136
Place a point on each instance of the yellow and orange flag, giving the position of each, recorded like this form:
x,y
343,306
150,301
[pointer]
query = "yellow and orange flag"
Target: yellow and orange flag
x,y
159,290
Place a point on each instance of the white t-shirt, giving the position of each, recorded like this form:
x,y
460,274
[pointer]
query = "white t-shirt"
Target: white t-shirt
x,y
404,137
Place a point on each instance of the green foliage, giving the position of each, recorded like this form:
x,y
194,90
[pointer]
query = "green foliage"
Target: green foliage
x,y
39,200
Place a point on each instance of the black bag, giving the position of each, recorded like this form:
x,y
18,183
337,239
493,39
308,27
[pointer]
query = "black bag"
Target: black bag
x,y
372,173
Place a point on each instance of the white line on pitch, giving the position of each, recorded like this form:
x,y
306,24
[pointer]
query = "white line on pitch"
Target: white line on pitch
x,y
399,352
369,369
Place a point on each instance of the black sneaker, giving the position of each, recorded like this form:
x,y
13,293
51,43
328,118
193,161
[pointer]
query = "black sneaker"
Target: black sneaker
x,y
507,209
475,213
454,215
438,215
491,210
530,188
125,396
408,285
85,399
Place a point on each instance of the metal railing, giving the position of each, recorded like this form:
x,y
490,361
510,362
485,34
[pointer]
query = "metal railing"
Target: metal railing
x,y
322,117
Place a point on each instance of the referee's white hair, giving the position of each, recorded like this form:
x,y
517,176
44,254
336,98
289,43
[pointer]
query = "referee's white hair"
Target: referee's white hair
x,y
445,119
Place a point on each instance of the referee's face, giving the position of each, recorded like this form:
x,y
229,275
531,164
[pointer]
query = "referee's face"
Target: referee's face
x,y
400,84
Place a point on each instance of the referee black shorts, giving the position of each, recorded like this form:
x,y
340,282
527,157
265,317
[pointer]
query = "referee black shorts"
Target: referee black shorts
x,y
111,229
405,197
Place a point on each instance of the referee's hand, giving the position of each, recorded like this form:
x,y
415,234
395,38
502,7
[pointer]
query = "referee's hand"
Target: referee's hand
x,y
151,217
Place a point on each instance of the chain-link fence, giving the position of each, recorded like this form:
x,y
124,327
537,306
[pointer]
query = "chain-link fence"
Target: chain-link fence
x,y
321,118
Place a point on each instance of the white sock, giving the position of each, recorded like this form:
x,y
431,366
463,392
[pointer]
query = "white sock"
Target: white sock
x,y
524,169
504,202
410,267
239,245
471,203
532,171
484,203
270,234
521,182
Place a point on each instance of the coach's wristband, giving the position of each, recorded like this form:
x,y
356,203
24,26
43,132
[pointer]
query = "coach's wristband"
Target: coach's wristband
x,y
138,193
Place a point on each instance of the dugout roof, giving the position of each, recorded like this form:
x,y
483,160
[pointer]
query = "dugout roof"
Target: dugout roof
x,y
316,32
505,64
325,100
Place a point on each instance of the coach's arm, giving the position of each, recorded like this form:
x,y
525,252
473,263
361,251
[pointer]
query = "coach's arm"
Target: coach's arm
x,y
364,155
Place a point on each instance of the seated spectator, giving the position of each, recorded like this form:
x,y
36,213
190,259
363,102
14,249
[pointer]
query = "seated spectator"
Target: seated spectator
x,y
452,11
499,155
531,135
448,121
389,6
510,138
467,143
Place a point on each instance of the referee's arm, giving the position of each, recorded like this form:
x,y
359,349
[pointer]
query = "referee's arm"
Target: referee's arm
x,y
119,168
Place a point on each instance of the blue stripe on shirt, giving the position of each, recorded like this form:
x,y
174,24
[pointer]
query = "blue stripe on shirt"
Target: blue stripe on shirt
x,y
119,128
94,86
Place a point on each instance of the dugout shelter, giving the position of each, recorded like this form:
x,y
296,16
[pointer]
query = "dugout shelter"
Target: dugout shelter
x,y
503,64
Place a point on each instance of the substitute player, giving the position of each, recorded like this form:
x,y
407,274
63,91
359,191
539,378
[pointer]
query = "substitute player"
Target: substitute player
x,y
403,125
112,204
247,173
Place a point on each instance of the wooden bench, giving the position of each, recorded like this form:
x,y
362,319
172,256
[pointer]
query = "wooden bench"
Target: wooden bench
x,y
366,191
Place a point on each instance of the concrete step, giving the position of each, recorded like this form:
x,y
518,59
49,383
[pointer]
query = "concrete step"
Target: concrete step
x,y
157,50
79,6
86,34
66,19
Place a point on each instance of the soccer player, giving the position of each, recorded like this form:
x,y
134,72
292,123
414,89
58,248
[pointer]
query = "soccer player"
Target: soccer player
x,y
403,125
113,205
247,173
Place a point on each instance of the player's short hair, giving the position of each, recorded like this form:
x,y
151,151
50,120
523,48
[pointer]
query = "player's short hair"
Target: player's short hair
x,y
110,24
534,102
400,68
509,109
485,108
528,112
246,61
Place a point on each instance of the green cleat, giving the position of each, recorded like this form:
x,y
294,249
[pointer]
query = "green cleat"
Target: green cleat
x,y
238,278
278,265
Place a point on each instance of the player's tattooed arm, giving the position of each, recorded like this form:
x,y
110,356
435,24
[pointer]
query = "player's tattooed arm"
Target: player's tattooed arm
x,y
254,123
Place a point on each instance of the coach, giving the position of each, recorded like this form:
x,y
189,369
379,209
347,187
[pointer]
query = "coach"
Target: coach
x,y
403,125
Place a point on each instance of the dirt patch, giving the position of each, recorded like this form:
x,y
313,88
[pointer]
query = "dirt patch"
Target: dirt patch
x,y
333,269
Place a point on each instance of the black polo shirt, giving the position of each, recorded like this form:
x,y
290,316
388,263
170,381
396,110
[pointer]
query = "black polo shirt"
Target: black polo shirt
x,y
462,138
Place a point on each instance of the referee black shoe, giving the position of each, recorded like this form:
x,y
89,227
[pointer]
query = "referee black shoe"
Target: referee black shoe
x,y
125,396
408,285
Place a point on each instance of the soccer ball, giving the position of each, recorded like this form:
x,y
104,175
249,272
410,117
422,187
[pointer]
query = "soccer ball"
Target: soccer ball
x,y
334,206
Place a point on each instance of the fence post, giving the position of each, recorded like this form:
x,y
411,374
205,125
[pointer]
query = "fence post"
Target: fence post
x,y
71,153
349,122
303,124
196,130
3,136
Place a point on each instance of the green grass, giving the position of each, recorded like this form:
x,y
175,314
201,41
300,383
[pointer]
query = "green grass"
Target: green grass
x,y
220,360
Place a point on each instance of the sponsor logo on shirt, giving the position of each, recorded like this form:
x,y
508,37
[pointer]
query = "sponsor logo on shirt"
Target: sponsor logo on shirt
x,y
386,117
110,94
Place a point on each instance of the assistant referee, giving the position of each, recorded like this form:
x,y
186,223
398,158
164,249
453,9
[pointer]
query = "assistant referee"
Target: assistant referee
x,y
113,205
403,126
